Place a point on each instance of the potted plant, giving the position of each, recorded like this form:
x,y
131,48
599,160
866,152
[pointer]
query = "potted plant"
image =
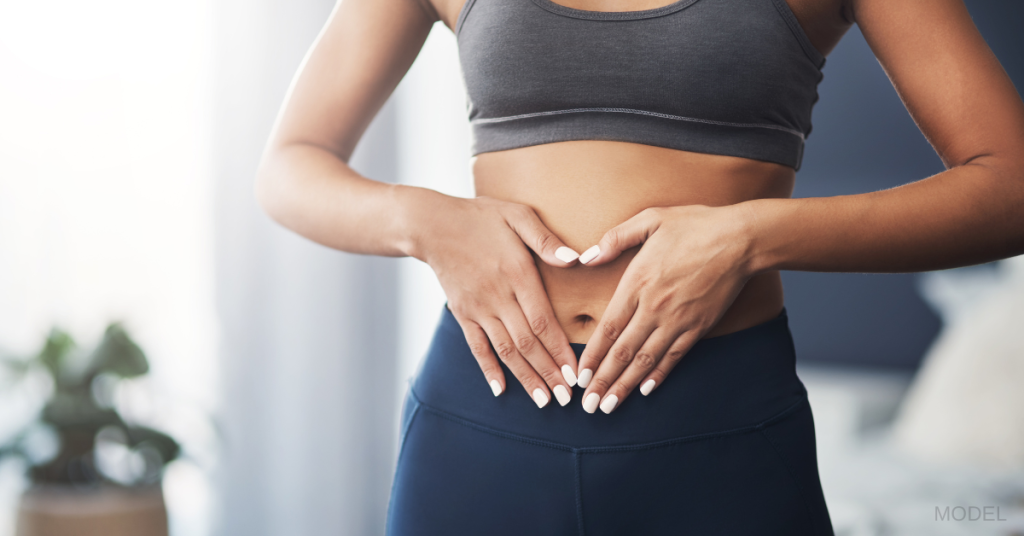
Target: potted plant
x,y
90,471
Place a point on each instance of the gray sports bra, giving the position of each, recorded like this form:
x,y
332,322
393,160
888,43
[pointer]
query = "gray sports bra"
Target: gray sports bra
x,y
730,77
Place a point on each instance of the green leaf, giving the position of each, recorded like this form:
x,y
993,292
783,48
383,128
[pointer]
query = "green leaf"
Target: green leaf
x,y
117,353
55,352
167,447
77,410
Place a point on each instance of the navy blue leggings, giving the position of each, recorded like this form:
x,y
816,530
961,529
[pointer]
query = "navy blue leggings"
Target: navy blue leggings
x,y
724,447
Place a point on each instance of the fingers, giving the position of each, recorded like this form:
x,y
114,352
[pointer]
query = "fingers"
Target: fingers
x,y
673,356
539,315
628,234
531,348
622,354
481,348
616,316
511,357
649,356
518,349
523,352
525,222
624,369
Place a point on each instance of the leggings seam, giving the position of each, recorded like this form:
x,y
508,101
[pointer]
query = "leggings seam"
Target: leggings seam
x,y
620,448
405,429
401,451
514,437
796,482
579,493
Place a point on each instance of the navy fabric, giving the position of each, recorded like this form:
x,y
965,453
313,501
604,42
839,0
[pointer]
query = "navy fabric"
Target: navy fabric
x,y
725,446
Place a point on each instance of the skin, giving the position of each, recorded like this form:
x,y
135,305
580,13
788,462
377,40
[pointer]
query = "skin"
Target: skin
x,y
714,230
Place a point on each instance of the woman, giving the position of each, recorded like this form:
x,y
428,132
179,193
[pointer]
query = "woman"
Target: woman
x,y
633,164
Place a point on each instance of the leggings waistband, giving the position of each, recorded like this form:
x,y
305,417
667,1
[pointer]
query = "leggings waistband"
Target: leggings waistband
x,y
723,384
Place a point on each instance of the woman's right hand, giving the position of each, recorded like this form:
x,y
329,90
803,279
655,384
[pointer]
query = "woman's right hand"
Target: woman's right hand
x,y
480,251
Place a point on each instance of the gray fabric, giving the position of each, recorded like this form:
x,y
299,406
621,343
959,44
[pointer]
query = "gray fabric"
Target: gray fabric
x,y
731,77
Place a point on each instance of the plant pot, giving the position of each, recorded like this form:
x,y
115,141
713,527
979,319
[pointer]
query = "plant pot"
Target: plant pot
x,y
103,511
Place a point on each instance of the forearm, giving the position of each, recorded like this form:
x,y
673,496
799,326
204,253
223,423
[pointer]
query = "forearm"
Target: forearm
x,y
967,215
314,193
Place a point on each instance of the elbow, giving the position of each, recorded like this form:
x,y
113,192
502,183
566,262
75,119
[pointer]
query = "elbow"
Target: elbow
x,y
1012,161
268,191
1004,166
1006,172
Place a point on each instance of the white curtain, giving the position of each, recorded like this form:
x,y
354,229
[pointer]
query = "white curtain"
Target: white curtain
x,y
308,343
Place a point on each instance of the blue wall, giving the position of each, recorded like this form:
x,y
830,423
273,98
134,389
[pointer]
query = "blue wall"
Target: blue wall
x,y
864,140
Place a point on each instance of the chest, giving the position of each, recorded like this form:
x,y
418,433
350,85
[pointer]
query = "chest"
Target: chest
x,y
824,21
732,60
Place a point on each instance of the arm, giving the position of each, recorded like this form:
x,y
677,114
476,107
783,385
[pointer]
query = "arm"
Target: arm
x,y
477,247
304,181
970,112
695,260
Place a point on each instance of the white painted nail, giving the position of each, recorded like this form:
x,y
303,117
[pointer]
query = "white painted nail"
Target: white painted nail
x,y
590,404
562,395
585,376
609,403
589,254
570,378
647,387
566,255
540,398
495,387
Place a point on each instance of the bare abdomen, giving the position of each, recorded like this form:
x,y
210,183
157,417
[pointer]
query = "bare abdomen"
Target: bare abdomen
x,y
581,189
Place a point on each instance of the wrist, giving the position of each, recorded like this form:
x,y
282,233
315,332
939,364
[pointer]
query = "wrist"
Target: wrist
x,y
407,200
417,211
756,234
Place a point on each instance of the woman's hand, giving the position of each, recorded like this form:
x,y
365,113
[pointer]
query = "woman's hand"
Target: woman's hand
x,y
480,251
693,264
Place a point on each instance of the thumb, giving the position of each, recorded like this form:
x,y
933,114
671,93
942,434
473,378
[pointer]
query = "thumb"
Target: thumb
x,y
540,239
630,233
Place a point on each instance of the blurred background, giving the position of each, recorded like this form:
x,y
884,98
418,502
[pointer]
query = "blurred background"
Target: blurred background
x,y
130,133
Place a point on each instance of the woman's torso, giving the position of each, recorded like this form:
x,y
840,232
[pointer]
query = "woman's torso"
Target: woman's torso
x,y
580,189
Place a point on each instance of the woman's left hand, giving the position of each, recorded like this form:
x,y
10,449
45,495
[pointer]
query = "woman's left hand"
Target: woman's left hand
x,y
693,263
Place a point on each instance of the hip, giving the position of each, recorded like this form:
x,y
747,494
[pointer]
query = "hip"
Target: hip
x,y
725,384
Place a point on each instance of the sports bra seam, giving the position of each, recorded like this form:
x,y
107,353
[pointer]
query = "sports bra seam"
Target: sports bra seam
x,y
491,120
812,52
558,9
463,13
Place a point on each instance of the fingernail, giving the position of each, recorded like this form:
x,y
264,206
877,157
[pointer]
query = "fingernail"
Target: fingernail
x,y
609,403
566,255
589,254
495,387
647,387
585,376
570,378
540,398
562,394
590,403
